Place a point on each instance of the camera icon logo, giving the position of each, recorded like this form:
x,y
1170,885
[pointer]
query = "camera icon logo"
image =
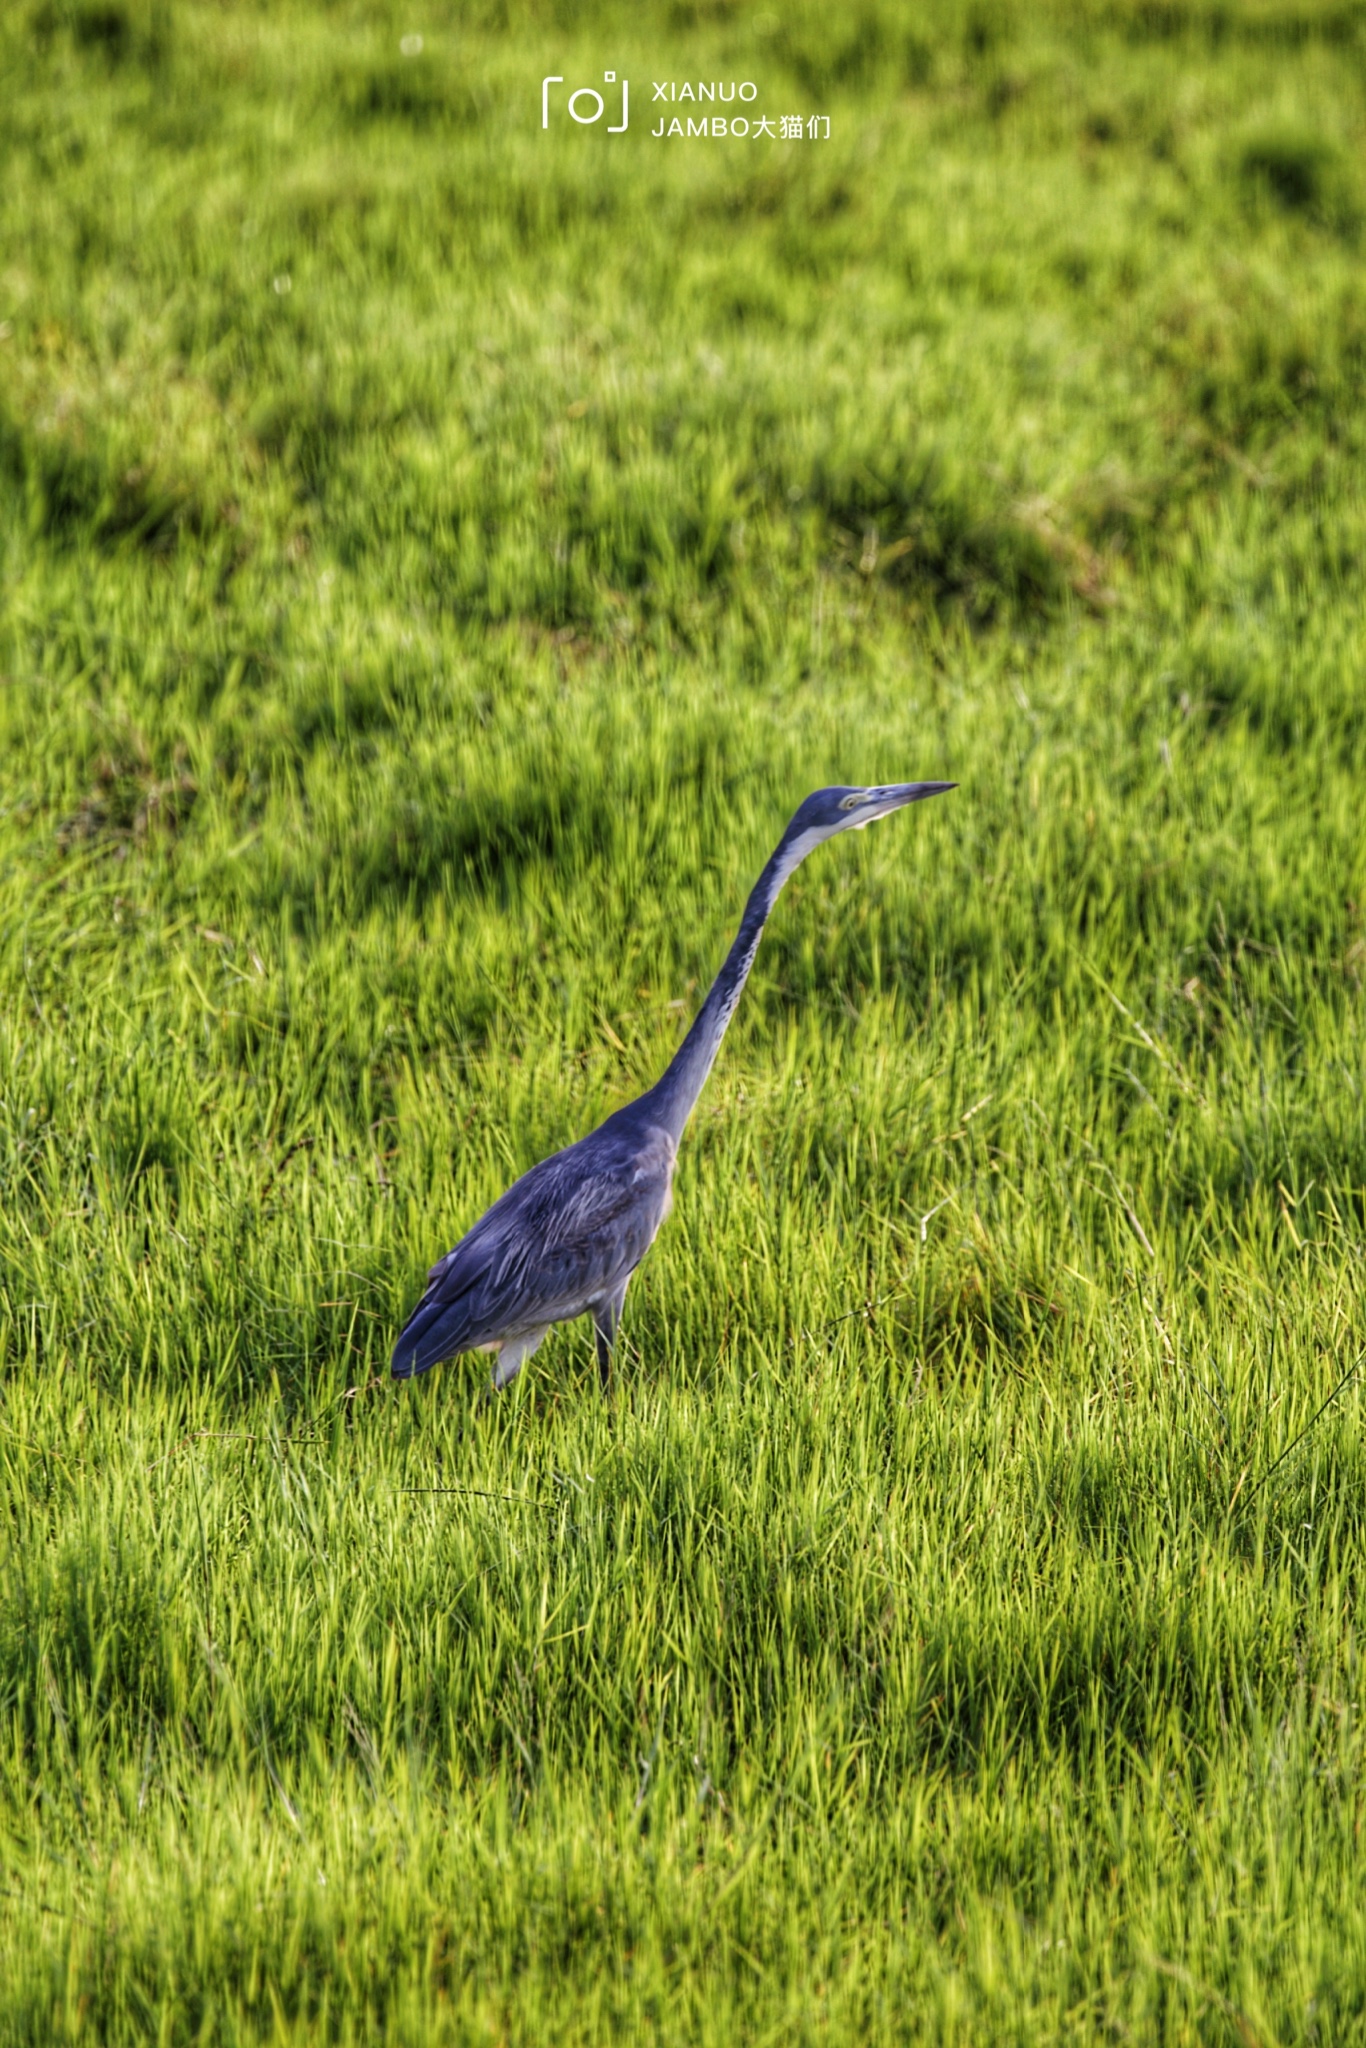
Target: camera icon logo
x,y
586,105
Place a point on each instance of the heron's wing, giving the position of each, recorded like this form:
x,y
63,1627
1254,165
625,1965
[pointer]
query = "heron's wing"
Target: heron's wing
x,y
563,1236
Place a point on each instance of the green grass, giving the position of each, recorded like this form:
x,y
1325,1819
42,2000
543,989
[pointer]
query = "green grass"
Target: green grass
x,y
437,556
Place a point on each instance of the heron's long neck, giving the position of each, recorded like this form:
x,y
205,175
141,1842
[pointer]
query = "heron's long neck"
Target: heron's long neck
x,y
675,1093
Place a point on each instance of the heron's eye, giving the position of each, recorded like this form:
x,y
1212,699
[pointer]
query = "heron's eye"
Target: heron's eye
x,y
851,803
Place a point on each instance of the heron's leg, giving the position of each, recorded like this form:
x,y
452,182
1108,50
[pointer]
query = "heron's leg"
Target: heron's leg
x,y
606,1316
604,1332
513,1354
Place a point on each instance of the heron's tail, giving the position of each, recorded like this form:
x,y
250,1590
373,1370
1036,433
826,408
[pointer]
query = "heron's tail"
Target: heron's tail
x,y
435,1330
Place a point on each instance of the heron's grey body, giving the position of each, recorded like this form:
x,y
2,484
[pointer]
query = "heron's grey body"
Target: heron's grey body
x,y
565,1239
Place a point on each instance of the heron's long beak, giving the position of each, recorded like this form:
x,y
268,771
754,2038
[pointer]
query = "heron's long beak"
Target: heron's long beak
x,y
895,796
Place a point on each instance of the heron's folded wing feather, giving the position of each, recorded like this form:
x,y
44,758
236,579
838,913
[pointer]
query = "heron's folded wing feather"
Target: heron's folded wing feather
x,y
562,1236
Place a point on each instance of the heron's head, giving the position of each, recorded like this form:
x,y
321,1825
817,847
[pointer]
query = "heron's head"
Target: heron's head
x,y
828,811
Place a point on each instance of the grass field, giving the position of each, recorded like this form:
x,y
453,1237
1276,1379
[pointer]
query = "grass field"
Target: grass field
x,y
438,554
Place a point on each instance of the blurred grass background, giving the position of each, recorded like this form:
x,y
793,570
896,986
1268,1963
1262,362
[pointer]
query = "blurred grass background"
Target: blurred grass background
x,y
437,556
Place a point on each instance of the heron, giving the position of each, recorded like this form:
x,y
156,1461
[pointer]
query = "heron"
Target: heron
x,y
565,1239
